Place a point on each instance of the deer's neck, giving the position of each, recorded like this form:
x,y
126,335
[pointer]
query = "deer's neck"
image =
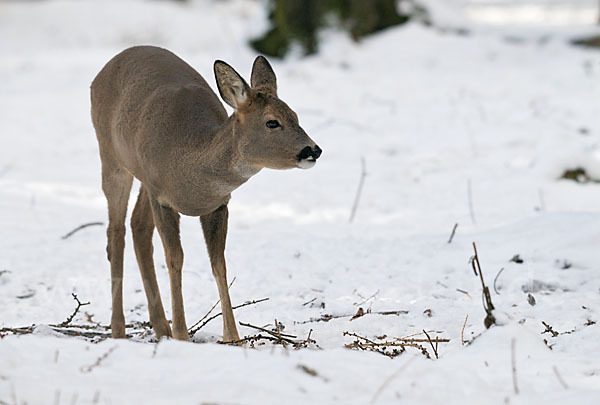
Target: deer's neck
x,y
219,167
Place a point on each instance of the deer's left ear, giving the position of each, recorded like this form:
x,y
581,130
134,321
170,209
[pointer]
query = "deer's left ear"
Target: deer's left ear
x,y
263,76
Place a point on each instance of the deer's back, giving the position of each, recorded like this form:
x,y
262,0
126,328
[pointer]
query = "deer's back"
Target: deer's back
x,y
147,104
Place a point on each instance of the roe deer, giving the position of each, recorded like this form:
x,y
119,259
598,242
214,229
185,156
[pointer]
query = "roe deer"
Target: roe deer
x,y
158,120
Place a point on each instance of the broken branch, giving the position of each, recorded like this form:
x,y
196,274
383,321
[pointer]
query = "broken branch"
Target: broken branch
x,y
390,348
363,174
487,305
429,339
80,227
329,317
70,318
453,232
193,331
211,309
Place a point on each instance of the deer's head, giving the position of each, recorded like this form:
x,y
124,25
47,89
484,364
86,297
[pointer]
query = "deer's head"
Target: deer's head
x,y
267,130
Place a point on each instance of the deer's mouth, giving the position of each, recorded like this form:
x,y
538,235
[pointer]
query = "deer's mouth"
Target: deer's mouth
x,y
308,157
307,163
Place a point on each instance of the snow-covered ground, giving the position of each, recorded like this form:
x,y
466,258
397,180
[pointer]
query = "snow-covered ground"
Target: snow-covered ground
x,y
471,128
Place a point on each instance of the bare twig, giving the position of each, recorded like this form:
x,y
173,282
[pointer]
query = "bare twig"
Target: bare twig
x,y
30,293
453,232
367,299
389,348
211,309
514,365
429,339
203,324
280,336
249,339
398,312
549,330
361,182
276,337
70,318
462,332
85,334
99,360
419,340
496,279
80,227
559,377
464,292
487,305
96,332
308,302
329,317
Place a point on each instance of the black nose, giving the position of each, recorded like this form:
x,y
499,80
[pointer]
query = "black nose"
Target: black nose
x,y
316,152
308,152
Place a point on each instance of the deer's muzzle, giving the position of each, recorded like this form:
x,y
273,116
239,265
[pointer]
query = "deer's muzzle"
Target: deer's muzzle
x,y
308,157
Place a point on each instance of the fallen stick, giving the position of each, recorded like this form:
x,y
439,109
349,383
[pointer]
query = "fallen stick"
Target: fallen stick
x,y
514,365
496,279
70,318
80,227
367,299
453,232
389,348
329,317
211,309
363,174
86,334
462,332
275,337
193,331
487,305
278,335
559,377
429,339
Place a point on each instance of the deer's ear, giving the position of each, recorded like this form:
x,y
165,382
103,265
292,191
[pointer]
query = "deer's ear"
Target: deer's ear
x,y
233,89
263,75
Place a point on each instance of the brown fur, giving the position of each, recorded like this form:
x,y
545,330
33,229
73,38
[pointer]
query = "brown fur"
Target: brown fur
x,y
158,120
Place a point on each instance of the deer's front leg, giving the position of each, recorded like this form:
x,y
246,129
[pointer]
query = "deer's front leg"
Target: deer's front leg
x,y
167,222
214,226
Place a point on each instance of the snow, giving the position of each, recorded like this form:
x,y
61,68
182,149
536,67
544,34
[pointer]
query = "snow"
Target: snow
x,y
473,129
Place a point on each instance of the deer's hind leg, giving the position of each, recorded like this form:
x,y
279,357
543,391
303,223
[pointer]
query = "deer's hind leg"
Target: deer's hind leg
x,y
142,227
116,184
166,220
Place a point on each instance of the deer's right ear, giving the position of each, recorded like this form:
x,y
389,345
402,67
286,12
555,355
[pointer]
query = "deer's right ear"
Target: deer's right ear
x,y
233,88
263,75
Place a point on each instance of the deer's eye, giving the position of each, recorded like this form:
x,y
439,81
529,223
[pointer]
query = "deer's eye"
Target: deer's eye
x,y
273,124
